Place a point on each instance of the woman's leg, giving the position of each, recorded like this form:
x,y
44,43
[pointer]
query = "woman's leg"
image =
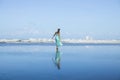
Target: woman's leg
x,y
56,48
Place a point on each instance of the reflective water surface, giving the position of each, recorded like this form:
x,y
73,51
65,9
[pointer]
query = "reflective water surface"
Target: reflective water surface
x,y
70,62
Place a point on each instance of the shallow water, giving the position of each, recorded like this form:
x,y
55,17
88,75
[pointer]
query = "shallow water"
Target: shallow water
x,y
76,62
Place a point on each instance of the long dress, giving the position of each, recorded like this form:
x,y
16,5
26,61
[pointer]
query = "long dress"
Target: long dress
x,y
57,41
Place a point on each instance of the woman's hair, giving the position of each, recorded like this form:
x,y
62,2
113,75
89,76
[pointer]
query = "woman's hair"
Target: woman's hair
x,y
58,30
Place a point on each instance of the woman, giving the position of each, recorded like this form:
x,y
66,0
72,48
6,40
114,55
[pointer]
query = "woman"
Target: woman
x,y
57,39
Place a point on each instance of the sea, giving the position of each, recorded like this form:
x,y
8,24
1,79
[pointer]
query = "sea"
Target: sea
x,y
41,61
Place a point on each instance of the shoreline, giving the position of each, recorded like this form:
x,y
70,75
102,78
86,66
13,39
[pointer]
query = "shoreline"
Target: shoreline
x,y
70,41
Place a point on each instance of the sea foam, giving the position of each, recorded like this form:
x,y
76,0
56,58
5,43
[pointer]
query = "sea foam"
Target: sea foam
x,y
44,40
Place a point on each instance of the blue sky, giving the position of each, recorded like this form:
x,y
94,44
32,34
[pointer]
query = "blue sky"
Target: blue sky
x,y
99,19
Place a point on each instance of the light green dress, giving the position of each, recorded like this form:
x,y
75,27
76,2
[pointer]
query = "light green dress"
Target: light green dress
x,y
57,41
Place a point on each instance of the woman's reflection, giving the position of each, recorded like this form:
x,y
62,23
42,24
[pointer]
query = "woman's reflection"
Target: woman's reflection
x,y
57,59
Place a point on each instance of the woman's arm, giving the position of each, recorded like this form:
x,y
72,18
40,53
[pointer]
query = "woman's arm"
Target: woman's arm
x,y
54,35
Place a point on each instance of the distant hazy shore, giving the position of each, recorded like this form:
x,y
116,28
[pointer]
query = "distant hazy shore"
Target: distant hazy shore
x,y
78,41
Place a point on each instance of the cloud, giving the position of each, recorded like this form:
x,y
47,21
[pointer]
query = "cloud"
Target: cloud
x,y
26,32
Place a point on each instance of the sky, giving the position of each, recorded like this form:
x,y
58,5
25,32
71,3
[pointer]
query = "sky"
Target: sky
x,y
99,19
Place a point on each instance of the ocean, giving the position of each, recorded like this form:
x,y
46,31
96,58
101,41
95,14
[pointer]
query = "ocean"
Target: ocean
x,y
41,61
